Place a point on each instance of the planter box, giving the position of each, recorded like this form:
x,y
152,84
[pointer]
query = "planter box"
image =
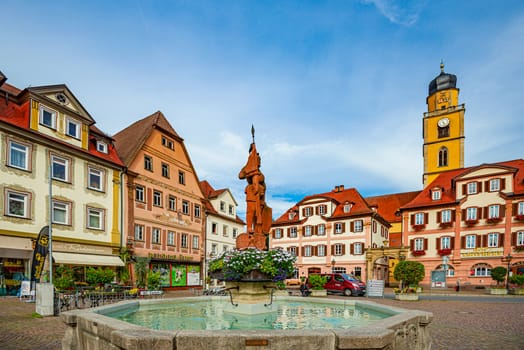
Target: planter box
x,y
407,296
516,291
318,293
498,291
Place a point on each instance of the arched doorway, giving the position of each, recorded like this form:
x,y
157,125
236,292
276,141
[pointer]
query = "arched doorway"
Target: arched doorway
x,y
381,262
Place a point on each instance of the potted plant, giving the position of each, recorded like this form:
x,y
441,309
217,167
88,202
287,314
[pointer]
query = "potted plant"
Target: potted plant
x,y
153,280
63,278
409,273
317,283
518,284
498,274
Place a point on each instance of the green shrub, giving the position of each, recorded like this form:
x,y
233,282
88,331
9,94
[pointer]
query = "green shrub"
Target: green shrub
x,y
317,282
63,277
99,275
517,279
409,272
141,270
498,274
153,280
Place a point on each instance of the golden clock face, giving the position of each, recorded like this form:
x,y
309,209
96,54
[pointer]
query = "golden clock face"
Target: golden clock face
x,y
443,122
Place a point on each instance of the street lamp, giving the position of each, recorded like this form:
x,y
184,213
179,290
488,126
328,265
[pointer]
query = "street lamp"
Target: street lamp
x,y
507,259
333,265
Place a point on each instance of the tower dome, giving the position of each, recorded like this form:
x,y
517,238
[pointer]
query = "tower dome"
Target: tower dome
x,y
443,81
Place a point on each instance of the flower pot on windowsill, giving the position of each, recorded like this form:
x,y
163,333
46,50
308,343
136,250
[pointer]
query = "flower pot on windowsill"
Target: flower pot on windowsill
x,y
444,252
471,222
493,220
445,224
418,252
519,217
419,227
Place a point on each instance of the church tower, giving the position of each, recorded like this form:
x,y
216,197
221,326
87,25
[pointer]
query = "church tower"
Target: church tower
x,y
443,127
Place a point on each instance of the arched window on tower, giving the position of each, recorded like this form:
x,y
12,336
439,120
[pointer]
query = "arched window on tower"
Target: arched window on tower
x,y
443,157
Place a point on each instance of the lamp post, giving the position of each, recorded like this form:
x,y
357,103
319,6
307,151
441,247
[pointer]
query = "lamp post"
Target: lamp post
x,y
445,260
507,259
333,265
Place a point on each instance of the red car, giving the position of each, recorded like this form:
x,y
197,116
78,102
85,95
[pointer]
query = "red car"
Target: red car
x,y
344,284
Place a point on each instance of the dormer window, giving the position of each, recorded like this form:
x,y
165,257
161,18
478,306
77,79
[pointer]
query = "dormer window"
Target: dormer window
x,y
73,128
101,146
291,215
494,185
347,207
436,194
472,188
47,117
167,143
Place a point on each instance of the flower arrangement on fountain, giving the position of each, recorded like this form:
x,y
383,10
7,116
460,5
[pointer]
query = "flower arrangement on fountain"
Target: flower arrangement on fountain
x,y
237,265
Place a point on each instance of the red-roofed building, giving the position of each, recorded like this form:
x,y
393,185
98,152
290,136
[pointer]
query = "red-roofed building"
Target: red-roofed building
x,y
331,232
47,134
474,217
163,203
222,222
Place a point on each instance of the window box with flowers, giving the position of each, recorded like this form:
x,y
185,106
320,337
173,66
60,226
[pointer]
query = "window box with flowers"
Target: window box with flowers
x,y
493,220
472,222
419,227
520,217
253,265
444,252
445,224
418,252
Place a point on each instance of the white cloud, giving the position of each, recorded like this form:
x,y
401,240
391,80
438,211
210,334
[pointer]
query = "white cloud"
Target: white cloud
x,y
404,12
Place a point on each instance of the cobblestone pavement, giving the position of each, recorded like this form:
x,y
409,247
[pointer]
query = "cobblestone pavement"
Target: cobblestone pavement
x,y
456,325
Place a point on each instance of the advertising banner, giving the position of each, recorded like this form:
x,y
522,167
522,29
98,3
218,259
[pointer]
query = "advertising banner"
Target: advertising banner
x,y
178,275
193,275
164,273
40,254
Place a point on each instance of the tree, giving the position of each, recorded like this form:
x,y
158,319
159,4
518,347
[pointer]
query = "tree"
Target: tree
x,y
498,274
410,273
141,270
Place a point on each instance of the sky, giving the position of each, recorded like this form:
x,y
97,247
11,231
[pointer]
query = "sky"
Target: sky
x,y
336,90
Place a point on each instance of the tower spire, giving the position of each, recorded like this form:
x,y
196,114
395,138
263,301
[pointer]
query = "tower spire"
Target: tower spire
x,y
253,132
441,66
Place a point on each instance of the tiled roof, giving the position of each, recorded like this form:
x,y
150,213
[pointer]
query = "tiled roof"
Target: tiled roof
x,y
351,195
446,181
209,191
18,116
10,89
389,204
131,139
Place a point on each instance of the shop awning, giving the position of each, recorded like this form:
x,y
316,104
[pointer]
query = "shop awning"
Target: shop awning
x,y
87,259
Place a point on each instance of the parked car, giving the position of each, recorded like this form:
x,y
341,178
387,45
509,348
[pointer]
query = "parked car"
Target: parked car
x,y
344,283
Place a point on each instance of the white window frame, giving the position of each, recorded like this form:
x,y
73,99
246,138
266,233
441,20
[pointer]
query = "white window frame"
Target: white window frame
x,y
165,170
419,219
139,232
93,173
308,211
338,227
185,207
471,242
19,149
293,232
197,211
19,198
357,249
338,249
278,233
95,213
172,202
139,194
155,236
471,188
62,162
308,250
231,210
321,250
214,228
61,207
322,210
347,207
472,213
481,271
520,238
493,240
148,162
445,242
307,231
494,211
181,177
445,216
494,185
101,147
196,242
183,240
225,231
157,198
436,195
321,230
170,238
235,232
520,208
293,250
358,225
418,244
214,249
53,114
73,123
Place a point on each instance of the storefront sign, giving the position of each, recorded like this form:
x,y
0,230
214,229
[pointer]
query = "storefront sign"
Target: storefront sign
x,y
193,275
40,254
81,248
169,257
481,252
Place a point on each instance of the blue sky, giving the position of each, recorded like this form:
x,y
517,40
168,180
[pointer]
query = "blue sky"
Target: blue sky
x,y
336,89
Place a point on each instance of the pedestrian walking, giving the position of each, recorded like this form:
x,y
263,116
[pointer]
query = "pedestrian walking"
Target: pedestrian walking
x,y
457,285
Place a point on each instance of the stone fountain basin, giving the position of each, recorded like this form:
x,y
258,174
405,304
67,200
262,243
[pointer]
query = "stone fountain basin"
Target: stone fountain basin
x,y
91,329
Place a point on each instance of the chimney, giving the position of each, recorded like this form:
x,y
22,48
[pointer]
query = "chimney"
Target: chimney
x,y
341,188
336,189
